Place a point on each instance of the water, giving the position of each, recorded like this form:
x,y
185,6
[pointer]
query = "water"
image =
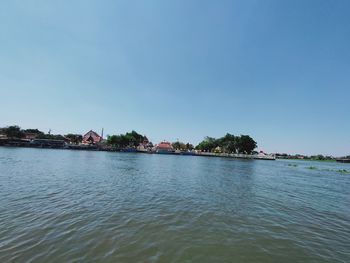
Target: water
x,y
77,206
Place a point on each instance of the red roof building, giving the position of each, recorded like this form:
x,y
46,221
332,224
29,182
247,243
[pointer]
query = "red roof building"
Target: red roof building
x,y
164,147
30,135
91,138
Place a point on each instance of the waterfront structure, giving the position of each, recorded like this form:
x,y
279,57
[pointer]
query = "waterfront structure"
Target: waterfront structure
x,y
31,135
145,140
47,143
218,149
141,148
91,137
3,133
164,147
145,146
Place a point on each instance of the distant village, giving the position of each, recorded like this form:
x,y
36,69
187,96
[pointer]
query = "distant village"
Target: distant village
x,y
91,140
242,146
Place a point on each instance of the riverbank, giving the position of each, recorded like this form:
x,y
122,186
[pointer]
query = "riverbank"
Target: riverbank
x,y
55,145
339,160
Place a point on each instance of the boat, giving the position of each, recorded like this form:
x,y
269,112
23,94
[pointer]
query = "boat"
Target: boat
x,y
263,156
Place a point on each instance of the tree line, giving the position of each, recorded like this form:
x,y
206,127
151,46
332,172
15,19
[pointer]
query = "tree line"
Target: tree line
x,y
228,144
129,139
15,132
182,146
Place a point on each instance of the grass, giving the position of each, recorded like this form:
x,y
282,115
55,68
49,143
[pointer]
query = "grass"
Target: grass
x,y
343,171
313,160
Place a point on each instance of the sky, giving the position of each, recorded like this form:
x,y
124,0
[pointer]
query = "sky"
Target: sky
x,y
278,71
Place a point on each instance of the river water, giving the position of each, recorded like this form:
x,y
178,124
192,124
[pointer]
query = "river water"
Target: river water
x,y
83,206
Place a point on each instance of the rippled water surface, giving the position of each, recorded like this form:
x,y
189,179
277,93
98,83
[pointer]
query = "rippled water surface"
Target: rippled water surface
x,y
70,206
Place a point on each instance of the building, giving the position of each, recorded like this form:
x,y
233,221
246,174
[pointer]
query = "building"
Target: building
x,y
145,145
218,149
31,135
3,133
164,147
91,137
145,140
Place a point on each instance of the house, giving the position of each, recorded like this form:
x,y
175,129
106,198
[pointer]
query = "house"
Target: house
x,y
30,135
3,133
145,140
91,137
145,145
218,149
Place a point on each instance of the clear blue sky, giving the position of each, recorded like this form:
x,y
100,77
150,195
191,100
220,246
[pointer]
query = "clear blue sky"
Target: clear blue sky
x,y
276,70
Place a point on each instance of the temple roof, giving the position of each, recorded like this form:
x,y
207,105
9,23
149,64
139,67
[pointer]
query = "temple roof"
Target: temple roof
x,y
91,135
164,145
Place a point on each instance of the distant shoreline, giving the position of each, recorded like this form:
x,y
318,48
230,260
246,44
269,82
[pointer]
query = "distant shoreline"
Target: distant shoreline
x,y
201,154
314,160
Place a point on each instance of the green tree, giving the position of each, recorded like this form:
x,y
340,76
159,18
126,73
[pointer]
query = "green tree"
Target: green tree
x,y
208,144
13,132
189,146
176,145
182,146
228,143
320,157
74,138
36,131
116,140
133,138
130,139
51,136
245,144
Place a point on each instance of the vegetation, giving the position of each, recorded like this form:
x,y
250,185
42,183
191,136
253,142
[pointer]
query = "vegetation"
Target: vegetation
x,y
182,146
51,137
13,132
74,138
312,168
228,144
343,171
318,157
130,139
35,131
